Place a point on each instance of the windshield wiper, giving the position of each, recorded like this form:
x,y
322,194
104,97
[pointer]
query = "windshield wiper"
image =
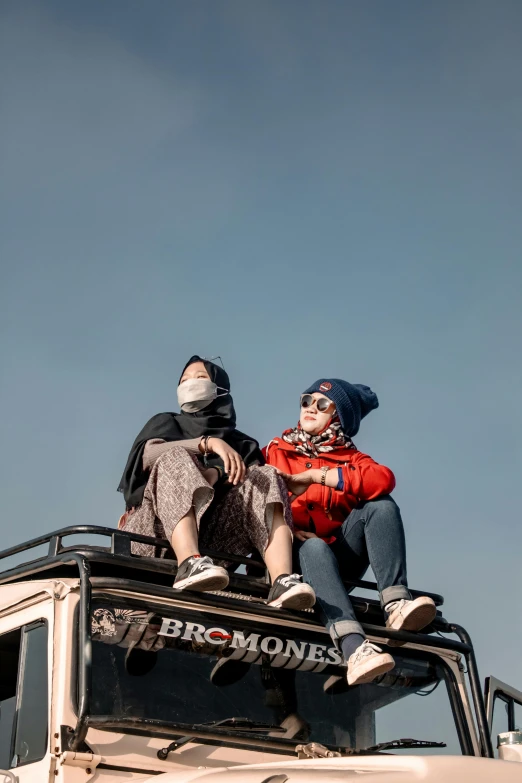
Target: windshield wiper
x,y
406,743
243,724
234,724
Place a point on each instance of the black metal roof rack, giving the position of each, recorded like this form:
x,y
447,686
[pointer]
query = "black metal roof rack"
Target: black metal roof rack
x,y
116,560
114,566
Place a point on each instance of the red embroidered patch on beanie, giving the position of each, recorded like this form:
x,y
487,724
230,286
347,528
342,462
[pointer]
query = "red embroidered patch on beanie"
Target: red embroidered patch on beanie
x,y
326,386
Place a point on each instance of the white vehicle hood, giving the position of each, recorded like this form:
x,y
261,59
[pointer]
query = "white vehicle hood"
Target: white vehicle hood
x,y
366,769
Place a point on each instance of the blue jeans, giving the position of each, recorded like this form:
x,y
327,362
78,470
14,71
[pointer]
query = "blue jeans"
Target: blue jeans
x,y
372,534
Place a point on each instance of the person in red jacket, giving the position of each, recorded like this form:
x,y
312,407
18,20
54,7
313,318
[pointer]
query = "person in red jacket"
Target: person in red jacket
x,y
345,520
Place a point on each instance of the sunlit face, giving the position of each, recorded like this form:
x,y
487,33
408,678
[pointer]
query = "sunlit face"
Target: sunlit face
x,y
314,421
195,370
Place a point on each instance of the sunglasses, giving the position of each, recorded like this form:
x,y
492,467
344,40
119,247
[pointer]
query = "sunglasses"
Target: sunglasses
x,y
323,404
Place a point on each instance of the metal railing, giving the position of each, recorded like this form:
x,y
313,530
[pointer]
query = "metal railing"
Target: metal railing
x,y
119,551
120,547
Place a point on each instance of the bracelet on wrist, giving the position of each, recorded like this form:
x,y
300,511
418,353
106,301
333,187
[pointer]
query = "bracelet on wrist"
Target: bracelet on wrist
x,y
204,443
340,480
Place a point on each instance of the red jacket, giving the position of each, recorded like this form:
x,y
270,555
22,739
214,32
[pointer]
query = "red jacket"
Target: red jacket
x,y
322,510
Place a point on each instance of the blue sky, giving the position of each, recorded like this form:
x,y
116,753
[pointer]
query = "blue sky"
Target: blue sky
x,y
307,189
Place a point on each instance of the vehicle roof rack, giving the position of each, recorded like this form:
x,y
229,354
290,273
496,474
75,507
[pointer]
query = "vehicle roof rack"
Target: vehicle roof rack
x,y
114,567
115,563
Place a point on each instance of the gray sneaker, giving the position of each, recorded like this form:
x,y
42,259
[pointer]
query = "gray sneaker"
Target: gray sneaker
x,y
200,574
289,592
367,663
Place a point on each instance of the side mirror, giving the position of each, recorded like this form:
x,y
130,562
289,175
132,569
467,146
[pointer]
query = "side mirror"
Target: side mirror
x,y
509,745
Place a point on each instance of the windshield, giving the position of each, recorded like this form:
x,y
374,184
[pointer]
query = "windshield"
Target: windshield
x,y
187,666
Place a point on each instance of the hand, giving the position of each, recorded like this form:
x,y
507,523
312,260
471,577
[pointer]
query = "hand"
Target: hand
x,y
233,464
302,535
211,475
298,483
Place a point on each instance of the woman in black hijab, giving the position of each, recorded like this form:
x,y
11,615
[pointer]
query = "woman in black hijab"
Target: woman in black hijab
x,y
193,478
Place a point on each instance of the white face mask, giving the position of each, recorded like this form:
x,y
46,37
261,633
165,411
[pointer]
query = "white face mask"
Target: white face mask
x,y
196,393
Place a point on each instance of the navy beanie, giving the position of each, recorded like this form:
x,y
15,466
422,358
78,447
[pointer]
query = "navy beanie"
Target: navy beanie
x,y
352,400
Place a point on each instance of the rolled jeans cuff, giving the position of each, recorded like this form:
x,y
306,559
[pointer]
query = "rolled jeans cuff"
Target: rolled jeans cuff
x,y
344,628
394,593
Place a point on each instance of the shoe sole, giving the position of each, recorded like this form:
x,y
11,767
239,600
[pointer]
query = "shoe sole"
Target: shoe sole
x,y
417,618
369,671
212,579
298,597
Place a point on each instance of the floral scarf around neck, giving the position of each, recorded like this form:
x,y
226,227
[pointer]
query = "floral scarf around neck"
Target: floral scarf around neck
x,y
329,439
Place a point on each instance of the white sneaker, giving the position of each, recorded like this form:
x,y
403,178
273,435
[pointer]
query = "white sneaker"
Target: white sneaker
x,y
411,615
367,663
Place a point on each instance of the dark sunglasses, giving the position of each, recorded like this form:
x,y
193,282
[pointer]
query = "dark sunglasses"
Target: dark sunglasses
x,y
323,404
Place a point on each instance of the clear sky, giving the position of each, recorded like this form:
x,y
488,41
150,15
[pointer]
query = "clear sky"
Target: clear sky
x,y
305,188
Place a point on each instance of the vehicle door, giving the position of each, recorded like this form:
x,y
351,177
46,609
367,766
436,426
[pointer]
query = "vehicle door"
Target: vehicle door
x,y
504,711
25,656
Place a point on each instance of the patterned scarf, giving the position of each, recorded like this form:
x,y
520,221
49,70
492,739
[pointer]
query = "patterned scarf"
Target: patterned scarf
x,y
329,439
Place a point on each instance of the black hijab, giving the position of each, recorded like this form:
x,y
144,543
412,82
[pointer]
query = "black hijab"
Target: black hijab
x,y
218,420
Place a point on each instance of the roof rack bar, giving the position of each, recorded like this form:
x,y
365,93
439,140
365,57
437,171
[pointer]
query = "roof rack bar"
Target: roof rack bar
x,y
45,539
476,691
120,544
120,547
54,546
239,559
84,656
113,533
167,567
77,736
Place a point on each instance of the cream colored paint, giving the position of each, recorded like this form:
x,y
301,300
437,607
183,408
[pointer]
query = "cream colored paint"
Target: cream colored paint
x,y
42,609
366,769
56,602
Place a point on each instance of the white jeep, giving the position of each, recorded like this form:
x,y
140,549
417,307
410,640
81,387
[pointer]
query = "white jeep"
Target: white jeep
x,y
108,674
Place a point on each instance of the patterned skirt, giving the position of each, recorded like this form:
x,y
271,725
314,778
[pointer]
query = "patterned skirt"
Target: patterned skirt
x,y
239,523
